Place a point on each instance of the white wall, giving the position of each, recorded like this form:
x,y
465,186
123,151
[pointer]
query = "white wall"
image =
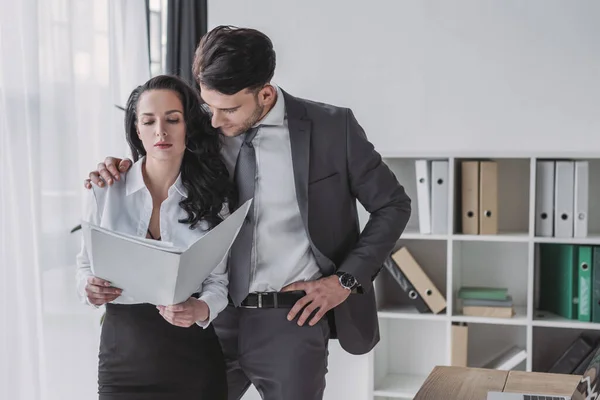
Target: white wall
x,y
436,75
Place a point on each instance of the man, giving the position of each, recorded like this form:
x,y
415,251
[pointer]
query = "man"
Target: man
x,y
301,272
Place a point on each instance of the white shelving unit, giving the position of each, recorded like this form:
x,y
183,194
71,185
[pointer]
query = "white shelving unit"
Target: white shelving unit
x,y
413,343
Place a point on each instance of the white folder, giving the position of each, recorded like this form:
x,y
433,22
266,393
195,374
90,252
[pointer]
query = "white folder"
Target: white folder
x,y
439,197
544,198
563,198
580,214
423,176
156,272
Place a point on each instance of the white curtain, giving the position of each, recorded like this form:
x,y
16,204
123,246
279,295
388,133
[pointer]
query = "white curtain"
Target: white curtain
x,y
61,77
22,372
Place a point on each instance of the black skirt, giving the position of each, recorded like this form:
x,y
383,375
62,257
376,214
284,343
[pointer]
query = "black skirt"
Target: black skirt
x,y
142,356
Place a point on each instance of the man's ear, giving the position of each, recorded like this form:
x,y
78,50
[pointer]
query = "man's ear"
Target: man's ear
x,y
267,95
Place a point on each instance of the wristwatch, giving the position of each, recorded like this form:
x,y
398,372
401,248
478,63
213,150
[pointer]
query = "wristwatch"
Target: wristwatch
x,y
347,281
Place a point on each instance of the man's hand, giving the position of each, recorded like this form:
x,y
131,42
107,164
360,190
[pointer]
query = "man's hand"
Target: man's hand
x,y
322,294
185,314
99,291
107,172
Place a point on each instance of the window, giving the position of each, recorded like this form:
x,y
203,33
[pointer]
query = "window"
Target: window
x,y
157,21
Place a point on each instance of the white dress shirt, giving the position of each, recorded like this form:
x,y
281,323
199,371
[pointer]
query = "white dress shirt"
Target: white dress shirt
x,y
126,207
281,252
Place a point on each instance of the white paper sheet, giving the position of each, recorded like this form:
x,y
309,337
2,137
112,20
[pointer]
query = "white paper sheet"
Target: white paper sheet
x,y
155,272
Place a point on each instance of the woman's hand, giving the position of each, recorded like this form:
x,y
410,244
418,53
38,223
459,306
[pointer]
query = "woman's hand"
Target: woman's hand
x,y
185,314
99,291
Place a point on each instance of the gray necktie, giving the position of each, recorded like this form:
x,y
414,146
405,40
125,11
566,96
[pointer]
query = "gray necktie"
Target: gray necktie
x,y
241,250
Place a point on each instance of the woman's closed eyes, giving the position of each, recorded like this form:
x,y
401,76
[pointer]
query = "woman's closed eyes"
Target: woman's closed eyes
x,y
170,121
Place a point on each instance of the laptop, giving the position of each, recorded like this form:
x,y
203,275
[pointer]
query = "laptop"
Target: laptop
x,y
587,388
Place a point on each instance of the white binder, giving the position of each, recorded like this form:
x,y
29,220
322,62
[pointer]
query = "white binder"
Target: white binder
x,y
563,198
544,198
580,214
439,197
423,175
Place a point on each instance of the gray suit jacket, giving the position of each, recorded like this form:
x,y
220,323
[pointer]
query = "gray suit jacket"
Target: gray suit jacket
x,y
335,164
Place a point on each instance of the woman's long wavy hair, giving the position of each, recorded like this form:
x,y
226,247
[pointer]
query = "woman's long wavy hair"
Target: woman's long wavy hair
x,y
203,172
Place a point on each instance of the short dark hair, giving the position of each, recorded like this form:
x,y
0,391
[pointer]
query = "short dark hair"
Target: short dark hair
x,y
229,59
203,172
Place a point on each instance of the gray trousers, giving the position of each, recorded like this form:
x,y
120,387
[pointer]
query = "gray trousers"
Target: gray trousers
x,y
282,360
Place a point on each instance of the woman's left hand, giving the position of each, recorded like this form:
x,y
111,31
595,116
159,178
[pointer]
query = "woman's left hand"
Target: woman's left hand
x,y
185,314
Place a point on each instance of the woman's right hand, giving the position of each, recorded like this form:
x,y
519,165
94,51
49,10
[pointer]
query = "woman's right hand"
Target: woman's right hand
x,y
99,291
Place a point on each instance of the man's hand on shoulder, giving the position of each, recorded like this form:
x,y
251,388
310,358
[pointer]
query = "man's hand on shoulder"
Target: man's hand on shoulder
x,y
108,171
322,295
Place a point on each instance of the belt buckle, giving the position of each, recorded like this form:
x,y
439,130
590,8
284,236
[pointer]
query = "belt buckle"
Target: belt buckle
x,y
259,295
259,300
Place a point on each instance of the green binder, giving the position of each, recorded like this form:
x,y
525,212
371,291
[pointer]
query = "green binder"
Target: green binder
x,y
584,294
558,280
596,285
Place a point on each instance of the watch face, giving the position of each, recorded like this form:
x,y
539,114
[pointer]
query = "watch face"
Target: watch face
x,y
347,281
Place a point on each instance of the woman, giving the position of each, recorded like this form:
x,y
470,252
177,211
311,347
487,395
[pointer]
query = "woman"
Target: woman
x,y
176,191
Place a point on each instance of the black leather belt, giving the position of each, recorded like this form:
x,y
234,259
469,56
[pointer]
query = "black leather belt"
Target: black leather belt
x,y
272,299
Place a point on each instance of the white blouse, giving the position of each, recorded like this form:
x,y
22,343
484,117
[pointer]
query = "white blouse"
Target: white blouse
x,y
126,206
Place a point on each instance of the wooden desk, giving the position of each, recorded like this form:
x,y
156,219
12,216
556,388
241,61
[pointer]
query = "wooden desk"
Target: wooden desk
x,y
474,383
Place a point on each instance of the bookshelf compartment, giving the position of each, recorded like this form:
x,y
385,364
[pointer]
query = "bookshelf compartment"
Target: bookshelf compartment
x,y
549,344
491,264
562,287
488,342
406,354
593,213
405,171
513,192
594,193
392,301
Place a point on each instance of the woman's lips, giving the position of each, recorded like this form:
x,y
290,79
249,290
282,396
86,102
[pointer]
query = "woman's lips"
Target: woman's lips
x,y
163,145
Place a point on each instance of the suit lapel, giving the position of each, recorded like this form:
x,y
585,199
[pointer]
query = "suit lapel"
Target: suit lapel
x,y
300,127
300,130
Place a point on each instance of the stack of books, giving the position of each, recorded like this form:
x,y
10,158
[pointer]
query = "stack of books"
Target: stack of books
x,y
491,302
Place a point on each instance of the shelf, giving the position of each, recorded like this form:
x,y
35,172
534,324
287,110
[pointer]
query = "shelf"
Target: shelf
x,y
548,319
412,343
520,318
486,342
490,154
593,239
408,312
550,343
412,235
399,386
500,237
518,237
